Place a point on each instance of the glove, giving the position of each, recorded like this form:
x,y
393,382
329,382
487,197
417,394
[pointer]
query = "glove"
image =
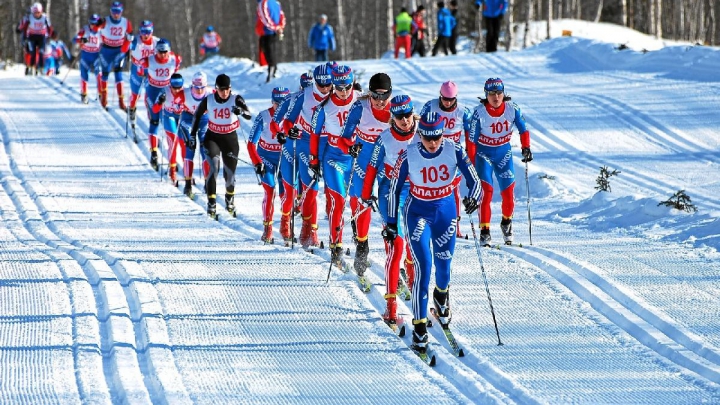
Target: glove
x,y
161,99
192,142
471,205
281,138
155,122
260,169
527,155
243,113
314,167
390,233
294,133
370,202
84,40
354,150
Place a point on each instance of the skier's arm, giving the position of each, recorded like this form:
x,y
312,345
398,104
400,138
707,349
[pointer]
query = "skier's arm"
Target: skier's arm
x,y
201,109
255,133
159,101
472,135
472,180
376,160
397,180
278,117
317,123
293,113
128,38
332,39
426,108
466,120
522,127
353,119
79,37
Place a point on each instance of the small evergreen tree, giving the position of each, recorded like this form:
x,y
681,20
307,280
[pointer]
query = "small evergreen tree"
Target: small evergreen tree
x,y
680,201
602,181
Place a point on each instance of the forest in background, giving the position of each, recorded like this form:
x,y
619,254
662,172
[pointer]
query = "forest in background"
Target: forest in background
x,y
362,27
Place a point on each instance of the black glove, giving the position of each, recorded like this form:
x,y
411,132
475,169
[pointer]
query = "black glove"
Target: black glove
x,y
84,40
102,21
281,138
354,150
294,133
243,113
471,205
161,99
260,169
527,155
314,167
192,142
390,233
370,202
155,122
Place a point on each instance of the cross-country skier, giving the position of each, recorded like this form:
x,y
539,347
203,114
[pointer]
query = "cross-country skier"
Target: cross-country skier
x,y
142,46
221,141
193,96
210,42
59,50
388,146
158,69
456,118
171,101
493,123
330,148
36,29
264,151
89,40
429,215
296,127
117,35
368,117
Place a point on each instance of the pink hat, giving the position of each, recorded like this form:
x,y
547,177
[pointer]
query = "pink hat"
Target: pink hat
x,y
448,90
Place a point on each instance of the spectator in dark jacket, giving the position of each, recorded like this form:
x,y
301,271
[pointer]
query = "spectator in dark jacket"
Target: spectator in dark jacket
x,y
493,12
445,22
453,35
321,39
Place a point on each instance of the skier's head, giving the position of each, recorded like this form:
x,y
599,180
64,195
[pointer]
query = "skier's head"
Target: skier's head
x,y
94,20
199,84
342,80
36,9
401,108
162,50
380,90
494,91
323,78
279,94
306,80
222,82
146,28
116,9
448,96
176,82
210,28
430,128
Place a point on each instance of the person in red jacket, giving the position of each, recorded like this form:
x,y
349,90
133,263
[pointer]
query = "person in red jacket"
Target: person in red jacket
x,y
269,26
418,39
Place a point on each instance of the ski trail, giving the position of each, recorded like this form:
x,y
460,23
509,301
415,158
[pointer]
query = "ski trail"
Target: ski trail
x,y
656,338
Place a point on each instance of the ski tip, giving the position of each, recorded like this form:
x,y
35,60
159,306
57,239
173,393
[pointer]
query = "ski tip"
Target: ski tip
x,y
347,252
466,237
322,245
461,353
431,361
401,330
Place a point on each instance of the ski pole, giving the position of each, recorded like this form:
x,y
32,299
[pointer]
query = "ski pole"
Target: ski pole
x,y
482,269
75,58
527,187
160,142
127,121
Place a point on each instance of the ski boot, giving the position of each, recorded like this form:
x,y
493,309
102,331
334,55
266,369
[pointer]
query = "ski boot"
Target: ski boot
x,y
361,257
212,208
506,228
442,306
230,204
336,255
314,238
390,315
188,189
285,228
154,160
267,236
420,336
172,174
485,238
305,240
27,71
84,98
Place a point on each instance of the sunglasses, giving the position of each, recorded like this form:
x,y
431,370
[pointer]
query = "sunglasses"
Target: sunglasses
x,y
223,88
403,115
162,51
494,93
380,96
448,99
341,87
324,86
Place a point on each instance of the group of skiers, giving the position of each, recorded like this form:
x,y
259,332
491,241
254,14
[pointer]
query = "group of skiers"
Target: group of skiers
x,y
43,50
329,131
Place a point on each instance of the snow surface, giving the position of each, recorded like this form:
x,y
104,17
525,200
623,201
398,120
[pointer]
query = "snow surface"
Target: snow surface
x,y
114,287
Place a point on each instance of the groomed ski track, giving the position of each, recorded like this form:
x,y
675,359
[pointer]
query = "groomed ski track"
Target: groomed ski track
x,y
145,300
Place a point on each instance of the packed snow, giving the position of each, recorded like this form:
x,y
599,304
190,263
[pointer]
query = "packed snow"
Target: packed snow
x,y
116,288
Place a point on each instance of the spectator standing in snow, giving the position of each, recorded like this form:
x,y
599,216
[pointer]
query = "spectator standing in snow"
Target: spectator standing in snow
x,y
453,34
445,22
493,12
404,27
321,39
418,38
269,26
